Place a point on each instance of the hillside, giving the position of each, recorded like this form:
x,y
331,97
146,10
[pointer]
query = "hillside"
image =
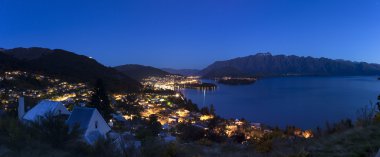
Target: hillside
x,y
266,64
184,72
66,65
140,72
8,62
362,141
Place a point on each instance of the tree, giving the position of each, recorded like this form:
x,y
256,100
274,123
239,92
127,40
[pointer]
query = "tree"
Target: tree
x,y
187,104
131,108
319,131
239,137
151,128
378,103
212,109
189,132
213,123
154,125
377,115
100,101
264,144
367,115
205,110
131,98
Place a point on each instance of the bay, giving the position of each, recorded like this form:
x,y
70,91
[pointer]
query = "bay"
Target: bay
x,y
305,102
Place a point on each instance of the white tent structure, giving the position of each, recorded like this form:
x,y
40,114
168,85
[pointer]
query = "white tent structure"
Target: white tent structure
x,y
42,109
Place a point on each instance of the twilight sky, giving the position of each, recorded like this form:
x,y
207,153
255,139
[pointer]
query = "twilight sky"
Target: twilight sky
x,y
194,33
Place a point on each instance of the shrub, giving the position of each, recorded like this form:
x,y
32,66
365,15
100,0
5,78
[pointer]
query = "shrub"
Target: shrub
x,y
13,133
366,115
265,143
104,147
188,132
53,130
153,147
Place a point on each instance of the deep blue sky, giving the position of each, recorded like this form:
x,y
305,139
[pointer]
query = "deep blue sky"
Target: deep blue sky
x,y
194,33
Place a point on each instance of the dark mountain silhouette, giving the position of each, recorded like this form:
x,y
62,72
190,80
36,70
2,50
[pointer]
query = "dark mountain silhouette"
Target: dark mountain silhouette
x,y
28,53
66,65
224,71
265,64
184,72
140,72
8,62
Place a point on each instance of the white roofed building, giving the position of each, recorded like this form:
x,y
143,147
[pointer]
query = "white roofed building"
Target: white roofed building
x,y
43,108
91,122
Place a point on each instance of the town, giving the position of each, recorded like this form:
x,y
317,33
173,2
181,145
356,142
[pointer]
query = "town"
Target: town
x,y
160,101
175,82
175,78
17,83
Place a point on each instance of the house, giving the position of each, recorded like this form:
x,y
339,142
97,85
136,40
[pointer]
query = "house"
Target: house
x,y
173,119
256,126
42,109
90,122
200,125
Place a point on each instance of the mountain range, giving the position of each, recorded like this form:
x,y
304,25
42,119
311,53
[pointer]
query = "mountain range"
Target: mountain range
x,y
71,66
266,64
66,65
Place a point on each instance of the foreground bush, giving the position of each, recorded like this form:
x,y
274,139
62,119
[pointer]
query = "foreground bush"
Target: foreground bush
x,y
46,138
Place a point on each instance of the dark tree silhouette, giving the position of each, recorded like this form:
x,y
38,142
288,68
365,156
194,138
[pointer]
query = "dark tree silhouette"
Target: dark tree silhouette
x,y
100,101
378,102
154,125
151,128
212,109
205,110
189,132
239,137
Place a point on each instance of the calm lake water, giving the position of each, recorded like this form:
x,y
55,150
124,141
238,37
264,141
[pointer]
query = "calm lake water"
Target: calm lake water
x,y
306,102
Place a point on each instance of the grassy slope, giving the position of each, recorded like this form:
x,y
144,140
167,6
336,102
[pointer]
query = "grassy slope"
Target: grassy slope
x,y
354,142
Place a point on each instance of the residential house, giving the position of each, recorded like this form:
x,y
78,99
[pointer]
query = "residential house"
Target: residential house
x,y
90,122
42,109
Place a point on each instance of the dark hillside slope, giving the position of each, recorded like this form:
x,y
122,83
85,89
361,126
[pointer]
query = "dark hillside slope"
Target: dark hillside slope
x,y
140,72
68,65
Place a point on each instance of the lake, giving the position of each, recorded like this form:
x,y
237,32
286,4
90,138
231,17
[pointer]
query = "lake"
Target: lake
x,y
306,102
